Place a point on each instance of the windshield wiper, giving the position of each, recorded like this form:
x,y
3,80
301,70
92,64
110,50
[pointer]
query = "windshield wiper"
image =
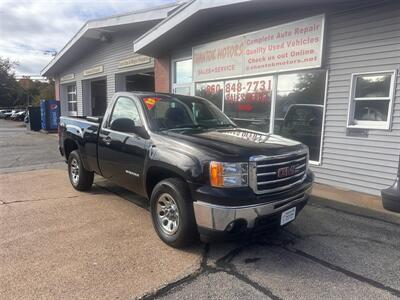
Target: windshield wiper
x,y
224,125
186,126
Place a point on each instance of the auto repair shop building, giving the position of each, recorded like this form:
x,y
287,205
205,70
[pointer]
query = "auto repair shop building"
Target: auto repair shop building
x,y
321,72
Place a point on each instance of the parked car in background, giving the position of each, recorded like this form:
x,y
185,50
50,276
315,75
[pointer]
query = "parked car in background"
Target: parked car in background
x,y
6,113
201,172
18,116
12,116
8,116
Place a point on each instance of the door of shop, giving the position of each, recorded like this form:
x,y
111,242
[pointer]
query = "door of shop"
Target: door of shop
x,y
99,97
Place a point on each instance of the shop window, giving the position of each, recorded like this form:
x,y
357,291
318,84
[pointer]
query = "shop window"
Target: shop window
x,y
248,102
182,75
72,98
212,91
183,71
299,109
299,105
371,100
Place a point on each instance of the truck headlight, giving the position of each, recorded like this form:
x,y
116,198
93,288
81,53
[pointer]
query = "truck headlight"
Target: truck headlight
x,y
223,174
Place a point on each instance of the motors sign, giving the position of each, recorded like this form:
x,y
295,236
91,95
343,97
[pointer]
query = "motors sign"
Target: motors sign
x,y
291,46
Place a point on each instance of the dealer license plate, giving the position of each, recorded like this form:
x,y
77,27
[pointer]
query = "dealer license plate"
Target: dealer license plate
x,y
288,215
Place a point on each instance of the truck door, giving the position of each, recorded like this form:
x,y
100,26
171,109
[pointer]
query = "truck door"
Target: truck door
x,y
121,155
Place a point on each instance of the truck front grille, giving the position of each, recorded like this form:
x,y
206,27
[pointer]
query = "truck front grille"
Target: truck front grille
x,y
270,174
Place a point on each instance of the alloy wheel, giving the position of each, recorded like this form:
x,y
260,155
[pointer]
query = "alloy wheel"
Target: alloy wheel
x,y
167,214
74,170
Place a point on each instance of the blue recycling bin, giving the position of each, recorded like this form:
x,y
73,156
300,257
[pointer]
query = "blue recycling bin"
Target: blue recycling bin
x,y
50,112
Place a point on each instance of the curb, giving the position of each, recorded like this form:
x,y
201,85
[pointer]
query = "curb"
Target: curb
x,y
388,217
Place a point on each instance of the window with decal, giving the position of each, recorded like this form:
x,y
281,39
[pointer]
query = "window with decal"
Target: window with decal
x,y
371,100
298,100
184,113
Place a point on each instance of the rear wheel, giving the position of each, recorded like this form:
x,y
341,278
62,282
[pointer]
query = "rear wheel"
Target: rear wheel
x,y
172,213
80,178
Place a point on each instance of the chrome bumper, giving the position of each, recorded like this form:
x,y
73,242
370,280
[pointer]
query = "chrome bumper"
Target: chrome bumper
x,y
218,217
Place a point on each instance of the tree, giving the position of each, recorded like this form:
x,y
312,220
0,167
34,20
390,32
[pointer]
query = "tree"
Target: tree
x,y
8,84
23,92
43,90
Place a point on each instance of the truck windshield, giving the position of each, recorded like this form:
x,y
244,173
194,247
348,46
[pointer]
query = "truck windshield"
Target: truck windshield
x,y
183,112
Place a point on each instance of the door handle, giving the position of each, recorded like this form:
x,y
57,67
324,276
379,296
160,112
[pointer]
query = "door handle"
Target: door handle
x,y
152,150
107,140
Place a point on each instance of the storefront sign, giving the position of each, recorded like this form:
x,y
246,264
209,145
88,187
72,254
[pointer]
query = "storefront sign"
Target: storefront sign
x,y
94,70
291,46
67,77
134,61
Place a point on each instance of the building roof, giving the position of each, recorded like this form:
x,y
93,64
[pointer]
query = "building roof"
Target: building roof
x,y
176,18
98,29
196,16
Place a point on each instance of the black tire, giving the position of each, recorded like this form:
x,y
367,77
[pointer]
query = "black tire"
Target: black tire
x,y
186,231
80,178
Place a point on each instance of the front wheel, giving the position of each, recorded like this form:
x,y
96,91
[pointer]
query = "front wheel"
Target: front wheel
x,y
172,213
80,178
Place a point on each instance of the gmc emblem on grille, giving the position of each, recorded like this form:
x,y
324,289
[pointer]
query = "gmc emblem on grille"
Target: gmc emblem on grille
x,y
286,171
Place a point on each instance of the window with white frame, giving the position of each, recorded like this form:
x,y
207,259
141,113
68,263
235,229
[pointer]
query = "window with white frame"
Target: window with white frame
x,y
71,98
182,76
371,100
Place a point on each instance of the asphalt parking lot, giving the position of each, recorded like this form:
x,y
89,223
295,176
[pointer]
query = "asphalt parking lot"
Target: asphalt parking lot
x,y
58,243
26,150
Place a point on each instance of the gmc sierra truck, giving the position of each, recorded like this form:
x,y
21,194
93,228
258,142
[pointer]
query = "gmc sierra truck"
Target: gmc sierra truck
x,y
203,176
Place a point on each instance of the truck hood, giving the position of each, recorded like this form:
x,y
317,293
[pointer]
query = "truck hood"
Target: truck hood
x,y
235,142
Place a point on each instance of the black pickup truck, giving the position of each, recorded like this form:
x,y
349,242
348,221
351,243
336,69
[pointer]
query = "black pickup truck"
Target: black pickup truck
x,y
202,174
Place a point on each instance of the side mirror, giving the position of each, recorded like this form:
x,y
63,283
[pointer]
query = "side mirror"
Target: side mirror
x,y
123,125
128,126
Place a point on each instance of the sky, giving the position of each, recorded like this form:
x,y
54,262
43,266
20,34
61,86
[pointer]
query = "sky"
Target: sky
x,y
30,30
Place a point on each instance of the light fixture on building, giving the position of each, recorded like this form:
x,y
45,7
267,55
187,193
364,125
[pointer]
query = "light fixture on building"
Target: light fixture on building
x,y
105,38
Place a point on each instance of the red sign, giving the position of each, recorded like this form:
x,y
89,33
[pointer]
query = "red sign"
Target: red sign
x,y
251,90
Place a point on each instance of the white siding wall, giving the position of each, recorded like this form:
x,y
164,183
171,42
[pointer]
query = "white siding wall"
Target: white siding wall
x,y
108,55
360,41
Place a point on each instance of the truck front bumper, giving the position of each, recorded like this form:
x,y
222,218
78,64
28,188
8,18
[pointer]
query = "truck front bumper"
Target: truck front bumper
x,y
213,218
